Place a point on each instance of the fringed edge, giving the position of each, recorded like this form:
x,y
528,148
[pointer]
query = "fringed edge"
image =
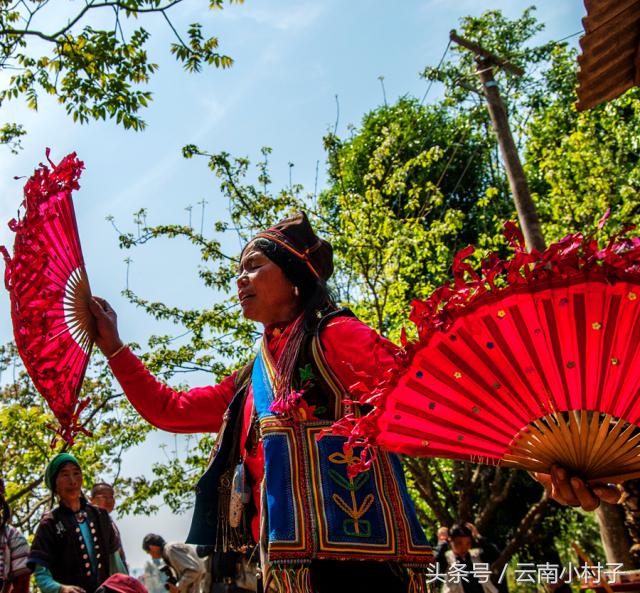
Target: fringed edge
x,y
418,581
289,579
230,538
575,255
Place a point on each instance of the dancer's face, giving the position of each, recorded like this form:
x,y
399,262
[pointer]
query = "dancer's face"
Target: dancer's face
x,y
265,293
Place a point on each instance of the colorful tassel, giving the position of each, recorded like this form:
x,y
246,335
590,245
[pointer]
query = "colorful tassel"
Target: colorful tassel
x,y
418,582
288,579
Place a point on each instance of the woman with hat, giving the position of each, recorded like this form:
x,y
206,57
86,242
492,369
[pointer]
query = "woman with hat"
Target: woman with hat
x,y
272,480
275,477
14,574
75,546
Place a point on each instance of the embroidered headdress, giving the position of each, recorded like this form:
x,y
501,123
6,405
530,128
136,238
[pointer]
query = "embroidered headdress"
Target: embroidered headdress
x,y
297,238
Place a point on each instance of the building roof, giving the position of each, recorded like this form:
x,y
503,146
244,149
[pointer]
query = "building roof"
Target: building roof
x,y
610,60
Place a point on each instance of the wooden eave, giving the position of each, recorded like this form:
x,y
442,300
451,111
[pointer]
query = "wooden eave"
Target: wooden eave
x,y
610,59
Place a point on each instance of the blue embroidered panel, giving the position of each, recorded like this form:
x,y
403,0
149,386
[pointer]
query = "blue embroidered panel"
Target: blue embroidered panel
x,y
354,512
417,534
280,495
315,509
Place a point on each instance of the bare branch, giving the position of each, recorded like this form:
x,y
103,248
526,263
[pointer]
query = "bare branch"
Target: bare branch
x,y
43,500
175,32
53,37
26,490
523,532
499,493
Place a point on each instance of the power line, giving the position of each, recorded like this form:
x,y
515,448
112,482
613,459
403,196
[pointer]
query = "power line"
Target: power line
x,y
467,130
568,36
461,139
446,49
466,167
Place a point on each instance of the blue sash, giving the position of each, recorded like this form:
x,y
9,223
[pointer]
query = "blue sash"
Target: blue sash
x,y
315,510
262,383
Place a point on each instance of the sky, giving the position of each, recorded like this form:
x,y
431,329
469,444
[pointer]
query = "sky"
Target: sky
x,y
301,68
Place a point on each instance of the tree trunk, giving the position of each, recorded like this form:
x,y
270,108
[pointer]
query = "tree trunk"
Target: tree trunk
x,y
523,532
631,508
614,534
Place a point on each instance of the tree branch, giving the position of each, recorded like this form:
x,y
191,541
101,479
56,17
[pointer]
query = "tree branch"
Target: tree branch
x,y
175,32
53,38
424,484
39,503
499,494
28,488
522,533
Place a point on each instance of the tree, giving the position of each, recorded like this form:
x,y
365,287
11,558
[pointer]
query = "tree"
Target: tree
x,y
458,170
424,171
95,71
581,164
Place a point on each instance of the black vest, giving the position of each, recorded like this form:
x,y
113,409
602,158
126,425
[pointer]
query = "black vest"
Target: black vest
x,y
59,546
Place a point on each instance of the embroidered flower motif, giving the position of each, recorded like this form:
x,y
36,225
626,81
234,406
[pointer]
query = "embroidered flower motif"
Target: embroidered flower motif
x,y
306,374
304,412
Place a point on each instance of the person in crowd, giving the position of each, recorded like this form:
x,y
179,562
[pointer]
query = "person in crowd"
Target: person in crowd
x,y
467,562
182,558
14,550
103,496
269,416
75,545
442,543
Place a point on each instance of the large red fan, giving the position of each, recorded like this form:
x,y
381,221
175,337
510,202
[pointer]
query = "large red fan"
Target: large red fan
x,y
49,291
533,362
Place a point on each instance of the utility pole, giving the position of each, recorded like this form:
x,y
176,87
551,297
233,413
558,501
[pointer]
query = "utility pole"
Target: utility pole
x,y
525,207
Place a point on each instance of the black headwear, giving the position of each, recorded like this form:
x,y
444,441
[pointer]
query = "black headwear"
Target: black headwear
x,y
152,539
297,238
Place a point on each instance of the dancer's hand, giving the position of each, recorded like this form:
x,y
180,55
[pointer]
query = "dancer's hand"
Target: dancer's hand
x,y
107,337
574,492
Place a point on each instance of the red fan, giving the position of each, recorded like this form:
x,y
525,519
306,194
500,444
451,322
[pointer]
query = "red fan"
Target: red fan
x,y
49,291
533,362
